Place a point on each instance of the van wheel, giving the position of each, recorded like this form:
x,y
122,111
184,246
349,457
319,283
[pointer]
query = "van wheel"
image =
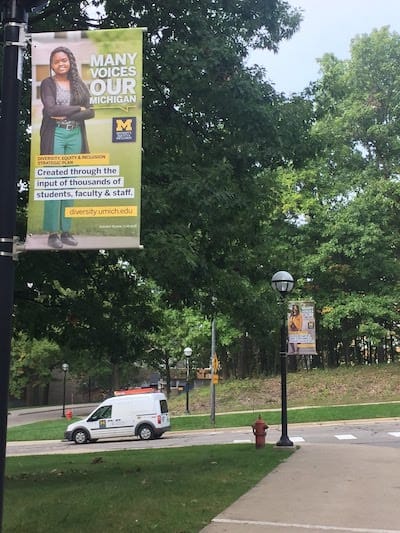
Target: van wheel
x,y
146,432
80,436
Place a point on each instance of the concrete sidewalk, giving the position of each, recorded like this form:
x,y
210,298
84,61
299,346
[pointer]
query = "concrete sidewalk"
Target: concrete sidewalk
x,y
338,487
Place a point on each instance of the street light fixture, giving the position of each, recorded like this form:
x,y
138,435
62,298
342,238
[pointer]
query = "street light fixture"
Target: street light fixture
x,y
188,353
283,282
65,368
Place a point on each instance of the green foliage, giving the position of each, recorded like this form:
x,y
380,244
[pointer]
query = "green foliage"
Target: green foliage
x,y
96,306
32,362
344,201
211,125
179,328
238,182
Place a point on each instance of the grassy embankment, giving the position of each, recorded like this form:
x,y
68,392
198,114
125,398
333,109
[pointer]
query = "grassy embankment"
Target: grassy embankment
x,y
340,386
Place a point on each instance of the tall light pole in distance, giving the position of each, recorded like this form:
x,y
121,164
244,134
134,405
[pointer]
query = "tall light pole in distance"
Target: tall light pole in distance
x,y
188,353
65,367
283,282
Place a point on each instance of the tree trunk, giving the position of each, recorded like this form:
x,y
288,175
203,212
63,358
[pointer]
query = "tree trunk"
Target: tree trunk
x,y
243,358
223,357
115,377
167,374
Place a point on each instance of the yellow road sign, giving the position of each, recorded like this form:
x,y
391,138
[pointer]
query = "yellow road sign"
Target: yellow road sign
x,y
215,364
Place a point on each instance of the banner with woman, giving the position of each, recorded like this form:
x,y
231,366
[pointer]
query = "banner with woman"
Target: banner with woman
x,y
85,174
301,328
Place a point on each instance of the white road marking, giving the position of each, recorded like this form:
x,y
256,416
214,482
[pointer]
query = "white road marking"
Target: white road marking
x,y
394,433
297,439
241,441
345,437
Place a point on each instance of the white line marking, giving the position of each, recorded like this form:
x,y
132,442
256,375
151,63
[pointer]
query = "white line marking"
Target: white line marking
x,y
297,439
345,437
241,441
395,433
304,526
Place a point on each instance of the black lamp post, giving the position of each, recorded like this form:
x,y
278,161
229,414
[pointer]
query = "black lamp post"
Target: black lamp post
x,y
283,283
65,367
188,354
14,18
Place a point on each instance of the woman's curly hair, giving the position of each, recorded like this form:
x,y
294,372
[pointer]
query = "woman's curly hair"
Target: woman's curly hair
x,y
79,91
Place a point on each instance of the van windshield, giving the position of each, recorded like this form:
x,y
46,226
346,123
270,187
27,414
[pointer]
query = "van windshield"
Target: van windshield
x,y
164,406
101,412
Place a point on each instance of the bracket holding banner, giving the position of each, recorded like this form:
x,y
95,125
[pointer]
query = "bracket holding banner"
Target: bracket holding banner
x,y
23,37
17,247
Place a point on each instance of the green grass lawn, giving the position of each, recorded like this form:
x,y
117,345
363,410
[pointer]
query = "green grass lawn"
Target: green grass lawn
x,y
311,414
54,429
168,490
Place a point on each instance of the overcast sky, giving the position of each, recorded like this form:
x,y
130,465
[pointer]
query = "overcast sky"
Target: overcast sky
x,y
328,27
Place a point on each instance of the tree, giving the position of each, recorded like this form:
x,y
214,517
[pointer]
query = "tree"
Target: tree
x,y
210,126
178,329
206,119
96,305
345,198
32,363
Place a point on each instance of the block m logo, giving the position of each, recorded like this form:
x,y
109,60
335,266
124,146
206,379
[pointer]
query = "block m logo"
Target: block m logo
x,y
124,129
123,124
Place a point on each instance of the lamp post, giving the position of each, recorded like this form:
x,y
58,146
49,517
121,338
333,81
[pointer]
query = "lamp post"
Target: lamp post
x,y
14,19
188,354
283,283
65,367
213,353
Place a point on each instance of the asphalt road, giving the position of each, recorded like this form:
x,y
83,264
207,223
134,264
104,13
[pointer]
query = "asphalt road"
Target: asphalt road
x,y
377,433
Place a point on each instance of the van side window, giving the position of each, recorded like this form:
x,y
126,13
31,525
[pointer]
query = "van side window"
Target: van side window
x,y
164,406
101,412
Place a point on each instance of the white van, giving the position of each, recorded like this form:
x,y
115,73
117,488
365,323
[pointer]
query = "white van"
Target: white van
x,y
132,414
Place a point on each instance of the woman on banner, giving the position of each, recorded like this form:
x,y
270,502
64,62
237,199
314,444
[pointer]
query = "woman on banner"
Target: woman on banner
x,y
295,323
66,106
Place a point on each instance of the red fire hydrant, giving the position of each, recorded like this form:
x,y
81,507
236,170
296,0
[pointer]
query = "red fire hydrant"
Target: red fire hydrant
x,y
68,414
260,431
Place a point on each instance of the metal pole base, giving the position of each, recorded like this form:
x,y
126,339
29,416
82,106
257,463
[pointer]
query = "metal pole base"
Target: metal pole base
x,y
284,441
